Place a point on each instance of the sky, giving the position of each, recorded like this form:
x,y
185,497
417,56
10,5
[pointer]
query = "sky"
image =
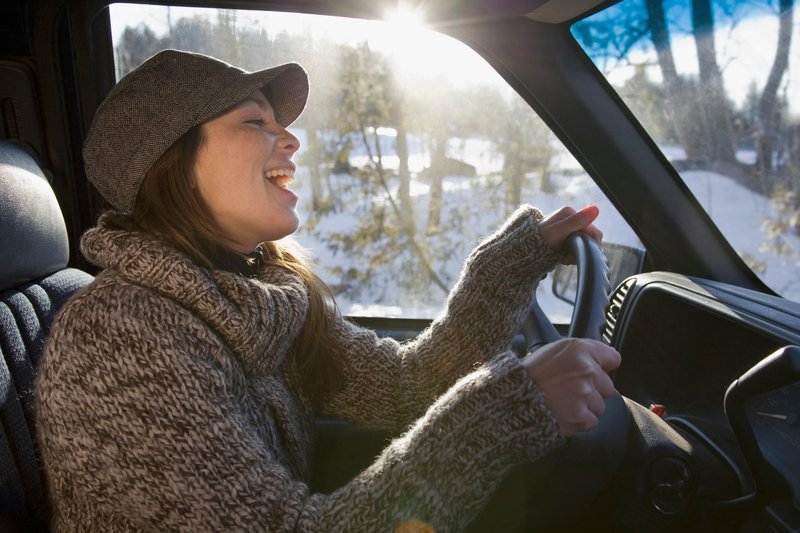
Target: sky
x,y
745,53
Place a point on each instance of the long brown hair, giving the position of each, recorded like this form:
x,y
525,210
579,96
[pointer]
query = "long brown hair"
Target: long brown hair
x,y
170,207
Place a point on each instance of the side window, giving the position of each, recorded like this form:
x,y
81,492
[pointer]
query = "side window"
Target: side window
x,y
409,154
718,91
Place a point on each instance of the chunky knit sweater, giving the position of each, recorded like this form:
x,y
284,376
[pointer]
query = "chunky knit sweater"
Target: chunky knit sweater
x,y
163,403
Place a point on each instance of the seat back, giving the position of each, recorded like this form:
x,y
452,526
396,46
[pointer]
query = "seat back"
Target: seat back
x,y
34,283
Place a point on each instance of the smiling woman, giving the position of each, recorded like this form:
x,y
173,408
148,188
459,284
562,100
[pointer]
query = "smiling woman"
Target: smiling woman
x,y
181,381
207,370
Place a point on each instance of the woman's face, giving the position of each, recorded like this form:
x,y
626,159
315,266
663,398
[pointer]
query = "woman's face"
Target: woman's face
x,y
242,169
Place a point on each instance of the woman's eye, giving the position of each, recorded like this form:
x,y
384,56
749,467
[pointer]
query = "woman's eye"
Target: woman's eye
x,y
256,121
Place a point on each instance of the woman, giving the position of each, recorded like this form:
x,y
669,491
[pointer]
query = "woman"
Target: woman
x,y
178,390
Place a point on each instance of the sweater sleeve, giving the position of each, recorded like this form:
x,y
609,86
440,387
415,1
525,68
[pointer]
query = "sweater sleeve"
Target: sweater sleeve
x,y
389,385
143,428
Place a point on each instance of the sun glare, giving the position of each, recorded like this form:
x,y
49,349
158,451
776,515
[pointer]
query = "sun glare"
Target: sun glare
x,y
405,18
416,50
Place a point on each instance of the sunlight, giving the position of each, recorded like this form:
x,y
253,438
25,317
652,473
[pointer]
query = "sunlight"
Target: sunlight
x,y
404,35
405,18
417,51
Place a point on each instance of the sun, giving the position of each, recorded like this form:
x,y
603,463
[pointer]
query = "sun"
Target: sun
x,y
405,18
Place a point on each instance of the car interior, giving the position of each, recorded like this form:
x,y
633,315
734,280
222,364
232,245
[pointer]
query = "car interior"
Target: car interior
x,y
704,433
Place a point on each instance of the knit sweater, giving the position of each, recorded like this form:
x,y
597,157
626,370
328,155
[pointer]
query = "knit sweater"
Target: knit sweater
x,y
163,402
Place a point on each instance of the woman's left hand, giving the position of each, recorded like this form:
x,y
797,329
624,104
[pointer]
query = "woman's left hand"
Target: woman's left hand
x,y
555,227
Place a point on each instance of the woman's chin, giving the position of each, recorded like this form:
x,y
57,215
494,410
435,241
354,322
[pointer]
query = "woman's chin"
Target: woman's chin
x,y
283,228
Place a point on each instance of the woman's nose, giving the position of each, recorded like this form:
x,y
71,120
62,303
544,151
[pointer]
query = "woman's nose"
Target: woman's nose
x,y
287,141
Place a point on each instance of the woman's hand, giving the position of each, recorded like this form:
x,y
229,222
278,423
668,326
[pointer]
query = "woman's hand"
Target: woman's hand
x,y
573,376
555,227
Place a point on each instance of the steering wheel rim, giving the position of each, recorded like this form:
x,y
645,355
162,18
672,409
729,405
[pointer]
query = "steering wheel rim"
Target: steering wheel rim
x,y
579,471
591,297
593,286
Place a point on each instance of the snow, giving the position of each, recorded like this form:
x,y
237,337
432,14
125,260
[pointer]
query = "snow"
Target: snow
x,y
742,216
473,209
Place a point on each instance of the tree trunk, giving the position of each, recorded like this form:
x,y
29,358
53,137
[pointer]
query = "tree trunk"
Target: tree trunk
x,y
767,101
404,189
226,22
718,141
170,30
679,103
545,183
512,175
436,171
313,156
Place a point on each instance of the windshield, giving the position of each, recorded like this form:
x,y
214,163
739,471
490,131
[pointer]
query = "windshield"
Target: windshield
x,y
409,154
716,84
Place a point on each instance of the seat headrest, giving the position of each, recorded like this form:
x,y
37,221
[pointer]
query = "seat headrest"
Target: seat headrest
x,y
33,236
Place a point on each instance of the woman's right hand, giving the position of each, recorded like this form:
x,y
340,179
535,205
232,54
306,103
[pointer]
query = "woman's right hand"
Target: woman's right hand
x,y
573,376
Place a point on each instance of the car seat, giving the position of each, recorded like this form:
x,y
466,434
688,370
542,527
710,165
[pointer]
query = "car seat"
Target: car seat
x,y
35,282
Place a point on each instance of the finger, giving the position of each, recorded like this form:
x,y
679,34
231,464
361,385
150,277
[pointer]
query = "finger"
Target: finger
x,y
559,214
596,404
607,357
589,214
588,421
605,387
576,221
582,420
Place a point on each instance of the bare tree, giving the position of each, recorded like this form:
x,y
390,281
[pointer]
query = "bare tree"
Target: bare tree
x,y
767,101
681,109
718,138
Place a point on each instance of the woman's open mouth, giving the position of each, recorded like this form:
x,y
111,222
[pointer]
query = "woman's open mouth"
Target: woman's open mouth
x,y
280,177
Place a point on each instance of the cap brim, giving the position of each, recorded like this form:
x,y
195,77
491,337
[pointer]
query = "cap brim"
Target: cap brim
x,y
288,90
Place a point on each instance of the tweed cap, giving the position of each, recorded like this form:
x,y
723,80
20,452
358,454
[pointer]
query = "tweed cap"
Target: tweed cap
x,y
153,106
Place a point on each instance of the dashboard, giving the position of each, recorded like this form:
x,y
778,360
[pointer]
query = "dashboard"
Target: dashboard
x,y
723,366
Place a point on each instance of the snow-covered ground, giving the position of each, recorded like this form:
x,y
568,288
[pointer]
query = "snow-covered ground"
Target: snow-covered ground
x,y
742,216
473,208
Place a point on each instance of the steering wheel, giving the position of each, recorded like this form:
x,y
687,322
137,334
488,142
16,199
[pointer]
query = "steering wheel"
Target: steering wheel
x,y
591,297
579,471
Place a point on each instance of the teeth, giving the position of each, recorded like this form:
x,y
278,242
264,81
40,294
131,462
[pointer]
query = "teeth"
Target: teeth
x,y
279,172
280,177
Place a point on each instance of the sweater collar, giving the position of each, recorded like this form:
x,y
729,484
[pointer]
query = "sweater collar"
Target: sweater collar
x,y
258,318
245,265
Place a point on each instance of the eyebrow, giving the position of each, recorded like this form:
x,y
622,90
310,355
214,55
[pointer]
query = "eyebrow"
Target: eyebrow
x,y
251,100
